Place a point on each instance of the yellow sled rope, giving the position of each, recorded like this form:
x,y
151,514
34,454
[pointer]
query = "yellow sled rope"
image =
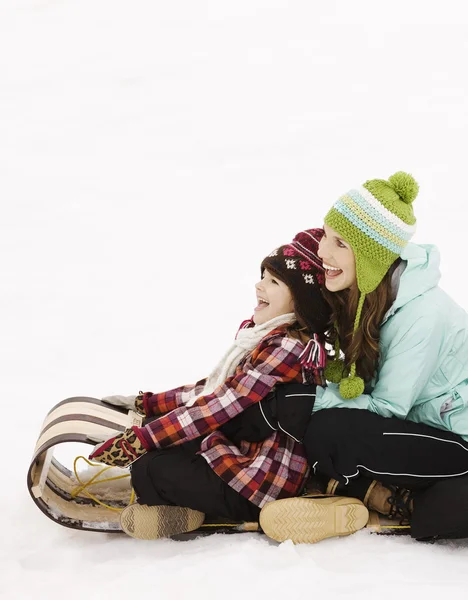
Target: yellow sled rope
x,y
83,487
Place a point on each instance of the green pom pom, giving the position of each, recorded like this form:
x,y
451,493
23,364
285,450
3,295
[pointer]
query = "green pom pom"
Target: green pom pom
x,y
335,371
351,387
405,186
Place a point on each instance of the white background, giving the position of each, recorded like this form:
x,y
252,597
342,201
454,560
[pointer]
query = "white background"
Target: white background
x,y
151,154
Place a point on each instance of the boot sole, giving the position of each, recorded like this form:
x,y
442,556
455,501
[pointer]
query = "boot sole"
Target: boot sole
x,y
154,522
309,520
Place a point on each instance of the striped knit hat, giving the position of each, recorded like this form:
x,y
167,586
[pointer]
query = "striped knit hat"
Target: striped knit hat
x,y
377,221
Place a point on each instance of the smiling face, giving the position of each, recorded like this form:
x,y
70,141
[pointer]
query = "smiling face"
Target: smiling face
x,y
339,261
274,299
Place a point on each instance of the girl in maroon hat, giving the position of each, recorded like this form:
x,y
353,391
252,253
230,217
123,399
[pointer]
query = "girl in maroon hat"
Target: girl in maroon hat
x,y
191,457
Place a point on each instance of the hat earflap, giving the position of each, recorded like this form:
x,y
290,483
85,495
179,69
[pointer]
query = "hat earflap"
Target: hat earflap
x,y
353,386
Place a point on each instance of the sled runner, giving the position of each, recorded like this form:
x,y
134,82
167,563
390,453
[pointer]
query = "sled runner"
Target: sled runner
x,y
62,495
53,486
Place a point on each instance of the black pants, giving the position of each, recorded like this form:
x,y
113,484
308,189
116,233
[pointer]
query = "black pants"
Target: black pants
x,y
179,477
346,444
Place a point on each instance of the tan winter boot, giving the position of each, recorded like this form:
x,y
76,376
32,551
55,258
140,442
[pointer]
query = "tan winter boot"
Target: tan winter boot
x,y
309,519
153,522
390,501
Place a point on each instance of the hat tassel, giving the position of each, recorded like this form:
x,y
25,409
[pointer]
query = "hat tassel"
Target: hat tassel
x,y
313,356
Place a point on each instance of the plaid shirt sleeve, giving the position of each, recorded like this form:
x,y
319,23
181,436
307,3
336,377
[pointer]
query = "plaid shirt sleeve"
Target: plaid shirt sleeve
x,y
273,361
164,402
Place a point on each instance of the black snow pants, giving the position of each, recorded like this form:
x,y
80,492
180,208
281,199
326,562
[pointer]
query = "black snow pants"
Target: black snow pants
x,y
347,444
178,476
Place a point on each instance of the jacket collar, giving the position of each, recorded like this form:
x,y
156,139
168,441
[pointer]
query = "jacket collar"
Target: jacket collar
x,y
418,272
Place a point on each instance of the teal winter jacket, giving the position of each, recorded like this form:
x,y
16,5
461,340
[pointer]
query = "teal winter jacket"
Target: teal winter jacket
x,y
423,367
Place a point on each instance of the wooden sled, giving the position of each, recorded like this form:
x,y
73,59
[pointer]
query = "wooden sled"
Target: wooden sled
x,y
53,486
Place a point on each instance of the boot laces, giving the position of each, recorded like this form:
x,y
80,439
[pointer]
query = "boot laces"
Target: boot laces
x,y
400,504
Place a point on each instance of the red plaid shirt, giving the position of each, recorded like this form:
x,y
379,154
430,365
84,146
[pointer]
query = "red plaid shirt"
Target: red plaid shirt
x,y
259,471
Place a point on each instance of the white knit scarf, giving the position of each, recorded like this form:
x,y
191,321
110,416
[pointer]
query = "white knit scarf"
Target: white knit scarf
x,y
246,340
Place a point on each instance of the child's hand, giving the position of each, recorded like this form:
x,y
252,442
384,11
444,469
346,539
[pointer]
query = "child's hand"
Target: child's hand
x,y
129,402
120,450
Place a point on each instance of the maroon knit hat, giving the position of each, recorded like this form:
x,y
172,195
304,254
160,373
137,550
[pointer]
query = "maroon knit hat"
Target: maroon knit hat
x,y
299,267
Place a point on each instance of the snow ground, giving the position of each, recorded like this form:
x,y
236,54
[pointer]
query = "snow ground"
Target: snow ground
x,y
151,154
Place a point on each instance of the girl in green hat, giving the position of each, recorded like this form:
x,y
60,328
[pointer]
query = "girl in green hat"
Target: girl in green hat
x,y
399,369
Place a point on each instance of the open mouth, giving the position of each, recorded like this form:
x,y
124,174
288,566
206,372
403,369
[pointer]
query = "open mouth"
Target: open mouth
x,y
262,303
331,272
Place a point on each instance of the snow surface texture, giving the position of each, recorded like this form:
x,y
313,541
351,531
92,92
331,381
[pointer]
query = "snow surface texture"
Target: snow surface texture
x,y
151,154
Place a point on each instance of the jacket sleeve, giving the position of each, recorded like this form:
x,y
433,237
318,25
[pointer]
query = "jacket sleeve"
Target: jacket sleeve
x,y
164,402
408,364
276,363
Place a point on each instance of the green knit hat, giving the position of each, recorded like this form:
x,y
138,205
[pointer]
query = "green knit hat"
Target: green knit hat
x,y
377,221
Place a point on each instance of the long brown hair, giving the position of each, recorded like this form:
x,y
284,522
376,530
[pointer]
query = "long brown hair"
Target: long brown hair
x,y
362,347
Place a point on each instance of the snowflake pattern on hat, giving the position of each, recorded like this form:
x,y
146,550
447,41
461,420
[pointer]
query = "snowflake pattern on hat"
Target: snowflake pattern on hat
x,y
298,265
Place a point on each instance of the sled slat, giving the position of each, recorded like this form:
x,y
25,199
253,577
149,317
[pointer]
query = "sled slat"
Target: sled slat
x,y
79,428
85,408
42,469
